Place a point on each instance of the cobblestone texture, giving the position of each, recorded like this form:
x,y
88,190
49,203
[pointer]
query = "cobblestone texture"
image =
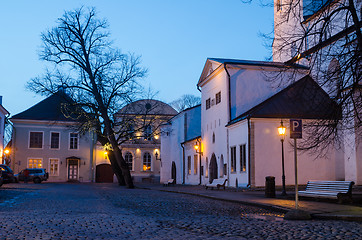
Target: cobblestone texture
x,y
106,211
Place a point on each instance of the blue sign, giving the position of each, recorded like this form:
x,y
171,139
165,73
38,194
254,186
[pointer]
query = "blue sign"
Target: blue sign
x,y
296,128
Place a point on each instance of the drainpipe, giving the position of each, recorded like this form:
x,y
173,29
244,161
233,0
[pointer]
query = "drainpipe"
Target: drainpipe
x,y
249,154
183,163
229,91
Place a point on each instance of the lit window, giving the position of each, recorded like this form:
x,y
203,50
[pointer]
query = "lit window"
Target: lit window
x,y
35,163
233,159
54,140
36,140
54,167
147,162
73,141
195,164
129,160
243,158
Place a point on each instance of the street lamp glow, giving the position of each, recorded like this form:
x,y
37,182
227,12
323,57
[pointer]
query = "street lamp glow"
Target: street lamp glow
x,y
196,146
282,130
6,151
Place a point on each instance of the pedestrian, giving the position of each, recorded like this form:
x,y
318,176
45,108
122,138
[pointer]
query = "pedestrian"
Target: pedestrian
x,y
26,175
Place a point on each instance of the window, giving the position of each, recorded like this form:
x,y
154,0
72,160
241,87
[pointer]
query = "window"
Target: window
x,y
73,141
195,164
35,163
218,97
189,165
213,137
148,132
129,160
146,162
36,140
221,166
233,159
208,103
279,5
207,168
54,167
54,140
243,158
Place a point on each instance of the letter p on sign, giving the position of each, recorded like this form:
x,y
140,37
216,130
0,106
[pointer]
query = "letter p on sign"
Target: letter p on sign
x,y
296,128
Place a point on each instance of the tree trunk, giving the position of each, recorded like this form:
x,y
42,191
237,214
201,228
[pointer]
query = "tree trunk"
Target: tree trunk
x,y
116,168
124,167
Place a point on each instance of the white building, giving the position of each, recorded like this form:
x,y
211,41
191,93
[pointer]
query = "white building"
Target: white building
x,y
3,114
44,138
316,35
178,138
240,112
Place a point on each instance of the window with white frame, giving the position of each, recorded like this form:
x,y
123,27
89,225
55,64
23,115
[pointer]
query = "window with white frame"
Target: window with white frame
x,y
233,159
54,167
189,165
243,157
195,164
147,162
54,140
129,160
35,163
36,140
73,140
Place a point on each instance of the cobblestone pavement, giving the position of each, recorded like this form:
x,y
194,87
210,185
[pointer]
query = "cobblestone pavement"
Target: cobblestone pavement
x,y
106,211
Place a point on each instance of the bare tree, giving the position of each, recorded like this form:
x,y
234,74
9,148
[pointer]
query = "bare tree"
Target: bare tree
x,y
98,79
325,36
185,101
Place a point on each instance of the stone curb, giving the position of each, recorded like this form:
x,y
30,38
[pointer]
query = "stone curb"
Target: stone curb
x,y
275,208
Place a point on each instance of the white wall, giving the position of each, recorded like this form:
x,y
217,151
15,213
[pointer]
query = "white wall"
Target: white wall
x,y
268,157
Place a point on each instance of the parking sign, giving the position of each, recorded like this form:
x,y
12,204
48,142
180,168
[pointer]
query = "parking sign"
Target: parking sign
x,y
296,128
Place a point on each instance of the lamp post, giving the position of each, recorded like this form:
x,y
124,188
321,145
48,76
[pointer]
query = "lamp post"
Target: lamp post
x,y
281,132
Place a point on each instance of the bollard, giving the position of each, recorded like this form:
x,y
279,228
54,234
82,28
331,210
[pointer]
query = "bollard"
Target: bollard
x,y
270,187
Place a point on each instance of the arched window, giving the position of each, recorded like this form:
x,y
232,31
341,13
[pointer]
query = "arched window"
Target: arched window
x,y
221,166
213,137
129,160
146,162
334,77
207,168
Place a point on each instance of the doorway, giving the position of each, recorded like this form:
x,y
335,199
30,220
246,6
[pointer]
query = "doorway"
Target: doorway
x,y
213,170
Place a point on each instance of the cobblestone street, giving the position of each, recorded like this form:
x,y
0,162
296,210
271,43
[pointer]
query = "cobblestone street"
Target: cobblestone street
x,y
106,211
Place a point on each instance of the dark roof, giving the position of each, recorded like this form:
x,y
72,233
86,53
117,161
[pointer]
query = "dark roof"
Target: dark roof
x,y
149,107
50,109
256,63
303,99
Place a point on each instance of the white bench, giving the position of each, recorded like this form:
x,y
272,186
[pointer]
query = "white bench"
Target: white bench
x,y
340,190
170,181
216,183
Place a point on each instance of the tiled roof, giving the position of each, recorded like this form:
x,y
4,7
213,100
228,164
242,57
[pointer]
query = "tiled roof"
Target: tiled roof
x,y
53,108
303,99
149,107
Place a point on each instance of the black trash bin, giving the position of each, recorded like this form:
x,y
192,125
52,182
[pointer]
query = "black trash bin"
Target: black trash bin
x,y
270,187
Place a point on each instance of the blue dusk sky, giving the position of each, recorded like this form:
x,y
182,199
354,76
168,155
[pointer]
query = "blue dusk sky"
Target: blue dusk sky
x,y
173,37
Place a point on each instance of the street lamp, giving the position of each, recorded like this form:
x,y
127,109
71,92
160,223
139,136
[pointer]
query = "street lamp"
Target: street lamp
x,y
198,150
281,132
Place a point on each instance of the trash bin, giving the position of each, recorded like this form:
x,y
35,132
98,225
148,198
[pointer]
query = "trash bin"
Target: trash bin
x,y
270,187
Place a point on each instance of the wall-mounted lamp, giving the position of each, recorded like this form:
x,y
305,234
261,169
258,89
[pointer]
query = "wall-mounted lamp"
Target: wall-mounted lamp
x,y
197,147
156,155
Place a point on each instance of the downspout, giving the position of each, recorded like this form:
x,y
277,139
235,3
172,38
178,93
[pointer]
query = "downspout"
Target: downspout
x,y
200,160
249,154
229,119
183,163
229,91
